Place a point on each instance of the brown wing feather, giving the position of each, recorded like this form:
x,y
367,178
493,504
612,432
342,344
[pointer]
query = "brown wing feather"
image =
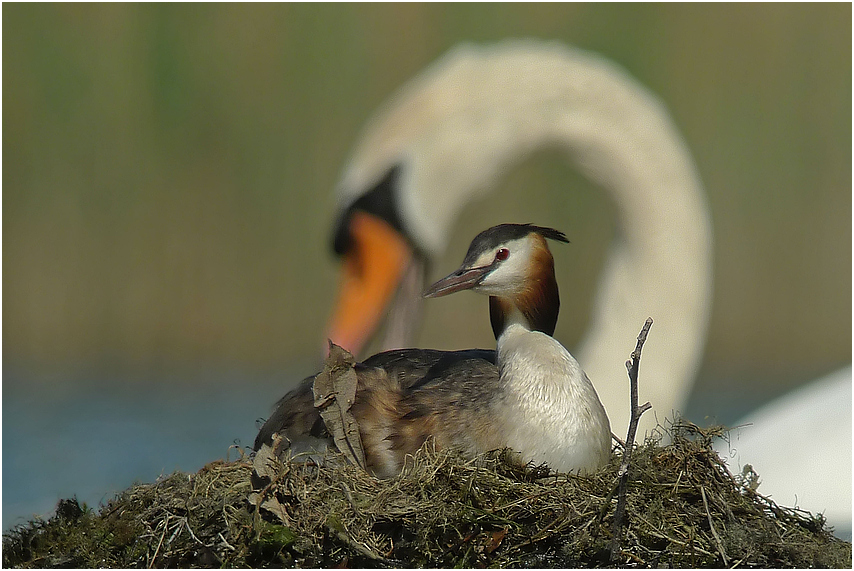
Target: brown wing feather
x,y
403,398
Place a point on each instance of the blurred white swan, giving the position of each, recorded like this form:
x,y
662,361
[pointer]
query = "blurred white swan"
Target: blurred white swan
x,y
447,135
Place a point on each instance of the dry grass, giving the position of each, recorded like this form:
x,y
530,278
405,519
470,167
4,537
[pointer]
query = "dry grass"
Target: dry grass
x,y
684,509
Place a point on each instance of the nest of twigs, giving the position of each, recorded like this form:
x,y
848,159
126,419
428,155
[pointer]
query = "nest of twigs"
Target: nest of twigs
x,y
684,509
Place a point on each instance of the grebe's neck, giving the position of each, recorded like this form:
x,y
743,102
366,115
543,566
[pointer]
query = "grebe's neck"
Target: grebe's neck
x,y
535,306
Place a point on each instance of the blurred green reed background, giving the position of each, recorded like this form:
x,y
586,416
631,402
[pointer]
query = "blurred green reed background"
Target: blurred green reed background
x,y
168,174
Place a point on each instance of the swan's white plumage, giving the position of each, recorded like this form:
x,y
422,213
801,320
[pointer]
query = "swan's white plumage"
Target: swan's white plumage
x,y
800,445
463,122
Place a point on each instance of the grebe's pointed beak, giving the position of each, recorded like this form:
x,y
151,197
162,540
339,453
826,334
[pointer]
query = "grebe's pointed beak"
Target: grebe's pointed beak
x,y
463,278
372,269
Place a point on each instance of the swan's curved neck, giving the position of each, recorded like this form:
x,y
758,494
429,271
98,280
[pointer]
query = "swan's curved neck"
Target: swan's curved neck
x,y
661,259
458,126
620,136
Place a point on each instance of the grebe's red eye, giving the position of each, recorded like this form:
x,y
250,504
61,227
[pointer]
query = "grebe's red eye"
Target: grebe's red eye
x,y
502,254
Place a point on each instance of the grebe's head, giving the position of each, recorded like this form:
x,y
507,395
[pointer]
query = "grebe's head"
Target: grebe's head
x,y
512,264
503,261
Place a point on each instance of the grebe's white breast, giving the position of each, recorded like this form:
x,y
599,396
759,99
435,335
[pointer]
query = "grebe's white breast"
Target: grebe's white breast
x,y
551,410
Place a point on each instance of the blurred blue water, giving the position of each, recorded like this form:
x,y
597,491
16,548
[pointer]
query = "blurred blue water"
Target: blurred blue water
x,y
93,444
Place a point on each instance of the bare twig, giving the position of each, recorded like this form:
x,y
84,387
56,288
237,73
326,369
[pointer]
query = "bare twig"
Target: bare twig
x,y
341,533
632,365
652,531
350,499
718,542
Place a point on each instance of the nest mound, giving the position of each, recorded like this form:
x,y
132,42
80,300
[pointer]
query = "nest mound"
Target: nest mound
x,y
684,509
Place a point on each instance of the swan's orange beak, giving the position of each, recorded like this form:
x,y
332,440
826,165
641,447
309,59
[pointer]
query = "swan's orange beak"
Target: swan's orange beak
x,y
373,266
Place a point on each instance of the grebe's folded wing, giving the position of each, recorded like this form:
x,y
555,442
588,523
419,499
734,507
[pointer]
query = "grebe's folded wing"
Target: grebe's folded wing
x,y
415,368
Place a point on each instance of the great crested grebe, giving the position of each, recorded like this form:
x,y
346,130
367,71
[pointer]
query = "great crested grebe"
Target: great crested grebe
x,y
447,136
530,395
